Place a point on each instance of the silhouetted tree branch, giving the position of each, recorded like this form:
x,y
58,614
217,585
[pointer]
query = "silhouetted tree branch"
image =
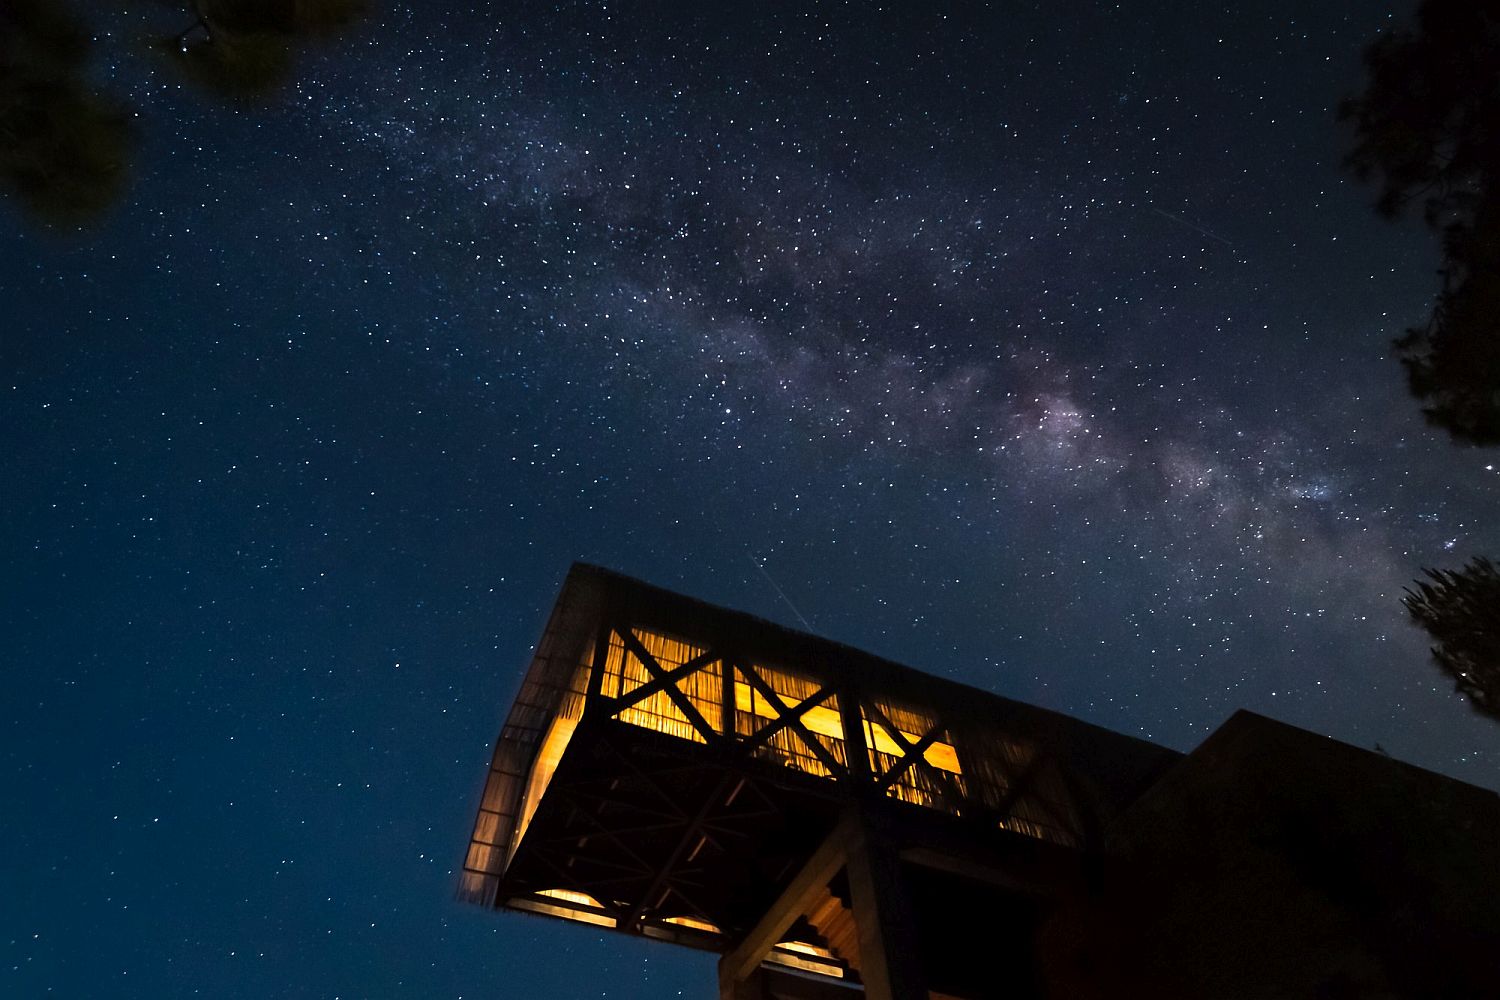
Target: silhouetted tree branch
x,y
244,49
1427,129
1460,610
65,146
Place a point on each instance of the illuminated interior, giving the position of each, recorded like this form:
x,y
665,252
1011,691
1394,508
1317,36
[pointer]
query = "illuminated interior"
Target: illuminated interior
x,y
754,711
820,710
569,896
549,754
693,924
568,904
797,722
807,957
624,673
891,730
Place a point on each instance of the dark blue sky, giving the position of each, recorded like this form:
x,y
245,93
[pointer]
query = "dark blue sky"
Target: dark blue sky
x,y
1046,352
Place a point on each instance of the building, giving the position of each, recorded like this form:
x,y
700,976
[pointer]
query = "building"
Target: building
x,y
830,822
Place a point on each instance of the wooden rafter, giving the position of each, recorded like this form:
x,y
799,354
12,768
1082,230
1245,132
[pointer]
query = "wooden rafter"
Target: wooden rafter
x,y
602,830
543,855
607,797
812,878
647,779
685,843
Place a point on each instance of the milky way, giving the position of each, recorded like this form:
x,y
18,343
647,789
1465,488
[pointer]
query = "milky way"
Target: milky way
x,y
1050,355
1103,396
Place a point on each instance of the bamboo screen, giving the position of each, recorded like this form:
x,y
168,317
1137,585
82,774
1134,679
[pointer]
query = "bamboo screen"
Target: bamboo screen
x,y
753,711
1014,777
997,771
891,730
549,753
1001,772
950,759
553,686
624,672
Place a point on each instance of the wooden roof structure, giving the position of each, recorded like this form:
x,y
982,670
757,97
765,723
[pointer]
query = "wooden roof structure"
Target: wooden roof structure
x,y
700,776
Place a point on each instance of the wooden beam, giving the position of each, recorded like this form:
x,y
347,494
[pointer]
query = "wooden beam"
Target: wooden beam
x,y
889,960
685,842
793,719
752,948
910,757
855,749
601,659
939,777
726,697
764,733
710,735
662,681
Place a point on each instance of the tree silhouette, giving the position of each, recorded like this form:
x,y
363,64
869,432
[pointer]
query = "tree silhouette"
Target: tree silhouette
x,y
1460,609
1427,129
244,49
65,146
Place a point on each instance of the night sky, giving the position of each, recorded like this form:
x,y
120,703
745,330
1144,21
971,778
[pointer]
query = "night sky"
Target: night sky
x,y
1043,351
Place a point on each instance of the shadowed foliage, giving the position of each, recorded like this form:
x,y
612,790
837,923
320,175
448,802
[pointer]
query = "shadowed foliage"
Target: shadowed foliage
x,y
65,146
1427,131
245,49
64,149
1460,609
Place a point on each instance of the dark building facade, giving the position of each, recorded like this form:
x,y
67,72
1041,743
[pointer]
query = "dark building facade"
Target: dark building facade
x,y
832,823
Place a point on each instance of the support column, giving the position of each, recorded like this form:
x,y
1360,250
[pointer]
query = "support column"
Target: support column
x,y
890,962
889,955
739,963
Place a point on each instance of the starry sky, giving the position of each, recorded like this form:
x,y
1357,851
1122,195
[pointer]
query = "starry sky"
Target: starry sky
x,y
1044,351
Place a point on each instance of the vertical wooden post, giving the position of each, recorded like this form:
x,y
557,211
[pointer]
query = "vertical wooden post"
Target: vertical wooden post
x,y
740,961
601,656
857,756
889,953
726,697
889,956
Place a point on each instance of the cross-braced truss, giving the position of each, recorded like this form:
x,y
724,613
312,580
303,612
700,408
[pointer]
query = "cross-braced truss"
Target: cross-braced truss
x,y
671,768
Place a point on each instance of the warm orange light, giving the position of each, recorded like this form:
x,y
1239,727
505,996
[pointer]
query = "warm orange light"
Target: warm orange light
x,y
807,949
812,963
567,913
693,924
624,673
549,754
568,895
940,755
819,719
